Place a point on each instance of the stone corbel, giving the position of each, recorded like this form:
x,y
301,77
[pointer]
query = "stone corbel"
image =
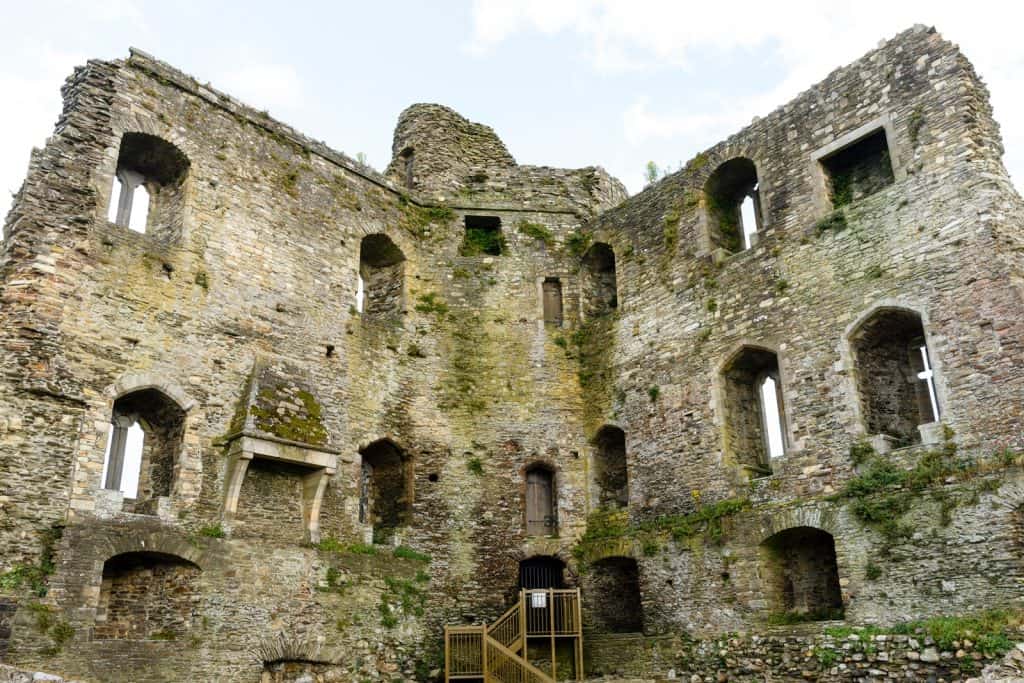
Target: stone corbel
x,y
238,463
313,486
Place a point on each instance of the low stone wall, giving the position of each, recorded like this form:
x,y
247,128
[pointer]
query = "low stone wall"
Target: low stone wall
x,y
812,657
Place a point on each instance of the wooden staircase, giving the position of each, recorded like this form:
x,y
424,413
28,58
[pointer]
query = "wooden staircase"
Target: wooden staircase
x,y
497,653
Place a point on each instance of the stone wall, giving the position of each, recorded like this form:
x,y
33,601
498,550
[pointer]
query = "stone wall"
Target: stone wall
x,y
241,312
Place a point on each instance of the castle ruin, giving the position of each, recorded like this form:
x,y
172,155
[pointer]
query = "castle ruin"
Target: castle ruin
x,y
269,415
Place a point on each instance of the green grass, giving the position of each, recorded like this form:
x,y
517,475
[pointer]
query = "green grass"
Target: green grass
x,y
993,632
833,222
212,531
536,231
410,554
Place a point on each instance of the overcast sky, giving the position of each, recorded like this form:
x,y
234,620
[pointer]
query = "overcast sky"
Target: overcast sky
x,y
563,82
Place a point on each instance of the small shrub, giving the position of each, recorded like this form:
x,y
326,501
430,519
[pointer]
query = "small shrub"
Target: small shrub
x,y
861,452
431,303
577,243
536,231
362,549
872,571
834,222
475,466
653,392
410,554
212,531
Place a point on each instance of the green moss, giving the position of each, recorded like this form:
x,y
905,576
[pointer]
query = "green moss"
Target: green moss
x,y
781,286
34,577
670,230
402,596
653,392
417,220
475,466
361,549
290,182
302,426
872,571
698,162
203,280
536,231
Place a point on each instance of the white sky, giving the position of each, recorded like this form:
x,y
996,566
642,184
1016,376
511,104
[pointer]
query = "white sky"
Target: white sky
x,y
564,82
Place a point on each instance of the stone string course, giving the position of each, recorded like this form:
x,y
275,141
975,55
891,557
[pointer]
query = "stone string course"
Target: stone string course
x,y
259,267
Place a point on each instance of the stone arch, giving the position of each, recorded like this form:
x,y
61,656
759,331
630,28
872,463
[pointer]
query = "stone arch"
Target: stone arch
x,y
724,191
799,570
888,395
386,487
381,277
542,571
611,473
752,431
598,281
146,595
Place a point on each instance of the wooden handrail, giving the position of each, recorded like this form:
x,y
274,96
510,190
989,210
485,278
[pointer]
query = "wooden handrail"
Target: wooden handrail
x,y
500,659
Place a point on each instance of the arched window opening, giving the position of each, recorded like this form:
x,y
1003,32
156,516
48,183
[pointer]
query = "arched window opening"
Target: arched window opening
x,y
408,160
733,205
542,572
541,511
611,596
610,471
381,284
801,574
599,282
145,438
385,496
858,170
552,300
145,596
150,178
754,411
895,376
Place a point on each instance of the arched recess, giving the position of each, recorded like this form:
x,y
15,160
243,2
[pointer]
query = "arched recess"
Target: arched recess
x,y
147,595
732,205
753,411
386,489
150,185
895,374
542,571
144,446
598,281
610,470
381,292
800,573
612,596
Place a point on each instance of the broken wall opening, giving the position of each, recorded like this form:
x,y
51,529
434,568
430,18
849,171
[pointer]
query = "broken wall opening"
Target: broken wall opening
x,y
385,500
610,471
895,376
150,186
146,437
611,596
382,277
731,186
858,170
483,236
754,413
801,573
146,595
599,281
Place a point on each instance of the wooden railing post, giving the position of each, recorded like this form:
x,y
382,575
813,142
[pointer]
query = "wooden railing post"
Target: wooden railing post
x,y
447,654
483,655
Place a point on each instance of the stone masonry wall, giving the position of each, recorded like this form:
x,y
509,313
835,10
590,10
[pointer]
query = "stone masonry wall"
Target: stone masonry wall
x,y
464,377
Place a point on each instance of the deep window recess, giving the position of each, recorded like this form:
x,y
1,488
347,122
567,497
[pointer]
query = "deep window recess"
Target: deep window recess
x,y
146,596
541,513
755,415
801,574
859,169
385,495
150,181
483,236
408,160
895,375
610,472
380,287
611,596
733,209
599,282
146,435
552,300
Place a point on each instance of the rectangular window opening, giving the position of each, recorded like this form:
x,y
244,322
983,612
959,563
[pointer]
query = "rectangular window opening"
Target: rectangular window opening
x,y
483,236
859,170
